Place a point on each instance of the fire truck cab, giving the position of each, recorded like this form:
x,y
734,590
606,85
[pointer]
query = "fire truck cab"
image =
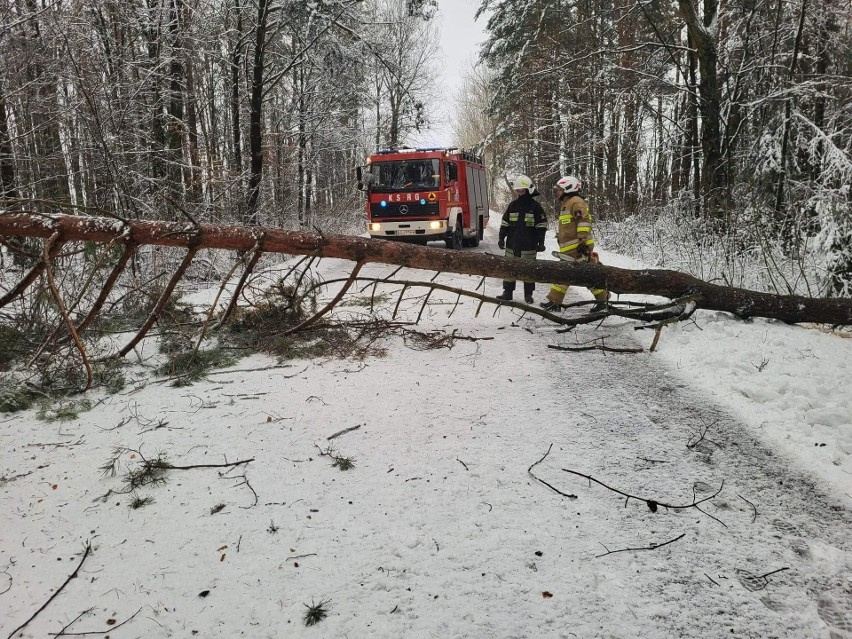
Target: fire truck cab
x,y
424,195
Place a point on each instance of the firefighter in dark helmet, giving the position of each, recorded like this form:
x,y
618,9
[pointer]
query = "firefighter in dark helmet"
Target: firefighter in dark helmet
x,y
522,231
574,235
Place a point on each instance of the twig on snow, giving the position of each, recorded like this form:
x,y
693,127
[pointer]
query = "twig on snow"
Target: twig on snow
x,y
702,436
86,553
656,339
556,490
163,380
651,547
597,347
72,622
651,503
227,465
343,432
754,517
338,461
3,592
705,512
310,554
95,632
245,482
764,576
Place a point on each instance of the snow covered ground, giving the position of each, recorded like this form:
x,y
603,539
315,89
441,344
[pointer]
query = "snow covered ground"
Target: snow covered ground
x,y
441,529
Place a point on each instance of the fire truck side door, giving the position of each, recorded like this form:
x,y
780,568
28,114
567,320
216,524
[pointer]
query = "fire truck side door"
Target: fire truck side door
x,y
472,188
482,203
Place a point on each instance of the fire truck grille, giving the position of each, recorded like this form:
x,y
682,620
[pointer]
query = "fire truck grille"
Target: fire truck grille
x,y
404,209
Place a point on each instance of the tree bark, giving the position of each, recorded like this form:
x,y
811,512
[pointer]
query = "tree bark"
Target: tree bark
x,y
664,283
236,60
7,159
786,224
256,113
715,187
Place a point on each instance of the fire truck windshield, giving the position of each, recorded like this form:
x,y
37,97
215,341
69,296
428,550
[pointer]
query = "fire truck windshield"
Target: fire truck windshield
x,y
405,175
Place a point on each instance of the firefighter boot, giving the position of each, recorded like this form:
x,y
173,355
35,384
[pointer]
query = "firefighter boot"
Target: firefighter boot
x,y
601,303
506,295
528,298
551,307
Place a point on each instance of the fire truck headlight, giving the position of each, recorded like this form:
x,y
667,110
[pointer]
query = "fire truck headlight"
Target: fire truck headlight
x,y
375,227
422,201
436,225
383,204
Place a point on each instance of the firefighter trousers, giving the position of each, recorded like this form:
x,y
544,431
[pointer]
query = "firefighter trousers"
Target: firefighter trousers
x,y
509,285
557,293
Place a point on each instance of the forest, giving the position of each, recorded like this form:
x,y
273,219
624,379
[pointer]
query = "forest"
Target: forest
x,y
718,128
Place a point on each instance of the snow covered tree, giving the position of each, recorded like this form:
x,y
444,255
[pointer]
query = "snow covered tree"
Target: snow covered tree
x,y
402,70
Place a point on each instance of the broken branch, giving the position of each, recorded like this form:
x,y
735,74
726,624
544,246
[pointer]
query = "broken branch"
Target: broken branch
x,y
597,347
343,432
651,547
556,490
651,503
64,312
352,276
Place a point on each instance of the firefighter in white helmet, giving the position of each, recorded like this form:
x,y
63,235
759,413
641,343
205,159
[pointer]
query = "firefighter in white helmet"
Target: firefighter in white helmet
x,y
574,235
522,231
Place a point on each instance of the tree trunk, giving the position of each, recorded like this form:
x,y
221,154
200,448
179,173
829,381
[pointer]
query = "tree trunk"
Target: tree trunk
x,y
194,169
714,180
176,101
255,115
669,284
236,131
786,225
7,160
302,143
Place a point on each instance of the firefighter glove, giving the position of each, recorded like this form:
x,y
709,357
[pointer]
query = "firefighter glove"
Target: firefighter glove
x,y
540,246
501,243
584,249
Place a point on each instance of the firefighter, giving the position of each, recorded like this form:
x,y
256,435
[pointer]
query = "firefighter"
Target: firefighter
x,y
522,231
574,235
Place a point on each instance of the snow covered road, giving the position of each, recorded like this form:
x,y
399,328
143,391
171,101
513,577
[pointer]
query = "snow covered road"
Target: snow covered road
x,y
439,530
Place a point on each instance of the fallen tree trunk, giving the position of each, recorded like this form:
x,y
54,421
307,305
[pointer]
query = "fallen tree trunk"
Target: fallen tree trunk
x,y
664,283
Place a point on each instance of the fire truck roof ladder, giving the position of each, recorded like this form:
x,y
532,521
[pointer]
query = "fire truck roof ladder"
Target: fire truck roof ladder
x,y
467,156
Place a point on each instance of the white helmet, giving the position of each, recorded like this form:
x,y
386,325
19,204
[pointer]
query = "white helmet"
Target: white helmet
x,y
520,182
568,184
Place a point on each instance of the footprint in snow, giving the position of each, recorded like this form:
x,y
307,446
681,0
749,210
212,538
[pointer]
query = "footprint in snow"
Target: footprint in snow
x,y
835,609
751,582
772,604
703,487
801,548
785,526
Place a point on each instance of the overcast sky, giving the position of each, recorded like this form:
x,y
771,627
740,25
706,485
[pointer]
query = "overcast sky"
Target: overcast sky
x,y
460,39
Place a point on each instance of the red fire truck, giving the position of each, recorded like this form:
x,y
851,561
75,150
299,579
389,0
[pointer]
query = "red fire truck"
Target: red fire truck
x,y
423,195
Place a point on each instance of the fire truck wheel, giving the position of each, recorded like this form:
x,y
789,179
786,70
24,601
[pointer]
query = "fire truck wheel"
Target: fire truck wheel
x,y
456,240
472,241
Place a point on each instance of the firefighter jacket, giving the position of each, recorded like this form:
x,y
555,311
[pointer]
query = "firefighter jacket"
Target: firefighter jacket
x,y
574,228
524,225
